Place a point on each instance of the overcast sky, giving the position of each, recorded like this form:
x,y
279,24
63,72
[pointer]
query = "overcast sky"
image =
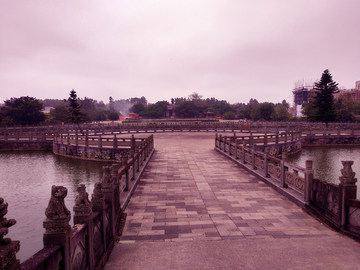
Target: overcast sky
x,y
227,49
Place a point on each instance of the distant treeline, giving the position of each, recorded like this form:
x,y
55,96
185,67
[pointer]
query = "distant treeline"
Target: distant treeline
x,y
30,111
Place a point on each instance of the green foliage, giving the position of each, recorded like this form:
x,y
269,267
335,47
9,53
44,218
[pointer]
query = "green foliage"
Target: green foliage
x,y
281,112
59,114
53,102
229,115
137,108
322,105
99,115
113,115
74,107
186,109
344,116
156,110
266,110
23,111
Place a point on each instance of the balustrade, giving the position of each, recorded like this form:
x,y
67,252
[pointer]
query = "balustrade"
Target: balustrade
x,y
335,204
89,242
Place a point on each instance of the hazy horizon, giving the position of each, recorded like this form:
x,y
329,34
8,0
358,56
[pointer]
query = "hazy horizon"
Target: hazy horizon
x,y
230,50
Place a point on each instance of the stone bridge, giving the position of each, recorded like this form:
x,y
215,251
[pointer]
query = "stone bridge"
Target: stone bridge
x,y
194,209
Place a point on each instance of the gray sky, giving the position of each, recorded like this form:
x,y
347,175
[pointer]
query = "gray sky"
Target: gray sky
x,y
227,49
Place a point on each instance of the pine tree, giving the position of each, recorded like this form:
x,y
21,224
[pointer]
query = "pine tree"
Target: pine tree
x,y
74,107
323,102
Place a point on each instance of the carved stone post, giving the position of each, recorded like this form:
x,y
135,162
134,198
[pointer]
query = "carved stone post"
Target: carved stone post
x,y
98,205
108,191
132,156
83,214
132,143
8,248
236,149
124,161
253,157
243,154
309,176
144,150
115,180
282,174
115,142
140,152
99,141
87,138
266,164
56,224
347,189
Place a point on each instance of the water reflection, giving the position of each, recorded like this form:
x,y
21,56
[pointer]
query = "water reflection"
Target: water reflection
x,y
327,161
26,179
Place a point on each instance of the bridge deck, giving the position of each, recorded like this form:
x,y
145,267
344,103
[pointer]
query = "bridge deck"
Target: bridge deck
x,y
192,198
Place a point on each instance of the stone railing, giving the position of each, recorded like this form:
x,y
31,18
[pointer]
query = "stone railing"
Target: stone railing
x,y
272,144
97,147
334,204
89,242
308,130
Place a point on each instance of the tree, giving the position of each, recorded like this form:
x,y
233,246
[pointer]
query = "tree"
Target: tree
x,y
281,112
186,109
74,107
111,102
137,108
323,102
265,110
23,111
229,115
60,114
156,110
113,115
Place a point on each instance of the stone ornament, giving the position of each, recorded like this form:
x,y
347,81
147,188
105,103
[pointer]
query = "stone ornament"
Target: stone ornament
x,y
4,223
347,175
97,193
56,209
347,171
82,204
107,177
82,198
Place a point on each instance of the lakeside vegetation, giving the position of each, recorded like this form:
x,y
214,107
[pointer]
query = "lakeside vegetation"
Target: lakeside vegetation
x,y
321,108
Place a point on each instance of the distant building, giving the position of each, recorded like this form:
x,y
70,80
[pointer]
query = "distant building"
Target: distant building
x,y
350,94
302,95
170,111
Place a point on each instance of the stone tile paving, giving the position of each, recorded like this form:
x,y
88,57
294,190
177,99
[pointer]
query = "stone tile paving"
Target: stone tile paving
x,y
190,192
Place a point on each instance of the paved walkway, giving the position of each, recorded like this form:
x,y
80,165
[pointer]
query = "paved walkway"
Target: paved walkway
x,y
195,209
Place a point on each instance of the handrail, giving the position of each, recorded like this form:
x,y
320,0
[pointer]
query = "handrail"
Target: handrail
x,y
334,204
87,244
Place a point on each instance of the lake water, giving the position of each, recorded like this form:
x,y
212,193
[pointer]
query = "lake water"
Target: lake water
x,y
26,179
327,161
